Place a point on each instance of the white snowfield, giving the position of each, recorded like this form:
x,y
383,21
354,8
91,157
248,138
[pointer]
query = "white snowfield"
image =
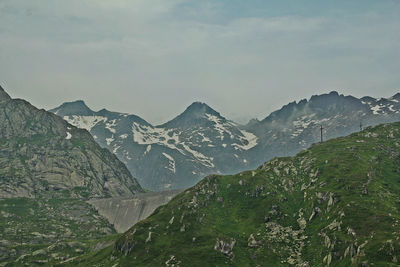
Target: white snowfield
x,y
69,136
85,122
148,135
248,140
379,109
88,122
171,165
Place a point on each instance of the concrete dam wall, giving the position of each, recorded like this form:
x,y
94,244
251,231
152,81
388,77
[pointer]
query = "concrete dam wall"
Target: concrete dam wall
x,y
124,213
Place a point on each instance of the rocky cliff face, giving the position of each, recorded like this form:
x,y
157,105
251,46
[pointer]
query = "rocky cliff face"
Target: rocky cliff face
x,y
41,154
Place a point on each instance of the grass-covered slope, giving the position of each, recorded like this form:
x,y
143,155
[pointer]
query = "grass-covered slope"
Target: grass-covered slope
x,y
335,204
49,231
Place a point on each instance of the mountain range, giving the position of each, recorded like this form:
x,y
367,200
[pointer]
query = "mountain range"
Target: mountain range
x,y
174,155
200,141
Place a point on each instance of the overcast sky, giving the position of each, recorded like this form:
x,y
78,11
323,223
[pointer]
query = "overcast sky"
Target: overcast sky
x,y
153,58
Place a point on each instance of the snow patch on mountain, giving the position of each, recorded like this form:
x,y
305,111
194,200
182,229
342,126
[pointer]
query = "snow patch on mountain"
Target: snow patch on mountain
x,y
116,149
110,126
250,138
171,165
147,135
110,140
376,109
205,139
220,126
85,122
148,148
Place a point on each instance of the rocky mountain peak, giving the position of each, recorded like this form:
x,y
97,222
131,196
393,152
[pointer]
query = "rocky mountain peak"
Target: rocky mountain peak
x,y
78,107
3,95
193,115
396,96
199,109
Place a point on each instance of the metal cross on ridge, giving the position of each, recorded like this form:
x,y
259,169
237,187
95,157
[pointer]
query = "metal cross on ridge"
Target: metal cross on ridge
x,y
322,134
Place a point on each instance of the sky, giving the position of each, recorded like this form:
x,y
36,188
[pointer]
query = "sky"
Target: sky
x,y
153,58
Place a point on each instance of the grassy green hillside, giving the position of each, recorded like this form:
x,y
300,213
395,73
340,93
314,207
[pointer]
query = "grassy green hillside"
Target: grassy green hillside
x,y
49,231
335,204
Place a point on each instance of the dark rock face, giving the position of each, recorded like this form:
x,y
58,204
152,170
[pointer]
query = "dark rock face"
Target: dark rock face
x,y
41,153
225,247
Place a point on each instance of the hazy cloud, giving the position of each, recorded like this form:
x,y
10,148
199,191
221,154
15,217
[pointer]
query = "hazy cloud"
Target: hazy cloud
x,y
154,57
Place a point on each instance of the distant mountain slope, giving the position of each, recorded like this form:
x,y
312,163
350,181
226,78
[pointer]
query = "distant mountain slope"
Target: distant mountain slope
x,y
40,152
174,155
297,125
200,141
336,204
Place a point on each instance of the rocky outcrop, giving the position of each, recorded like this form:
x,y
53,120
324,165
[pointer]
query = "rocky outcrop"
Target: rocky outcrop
x,y
41,154
225,247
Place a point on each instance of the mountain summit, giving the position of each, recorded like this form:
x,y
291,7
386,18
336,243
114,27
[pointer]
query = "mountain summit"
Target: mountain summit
x,y
78,107
3,95
197,113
